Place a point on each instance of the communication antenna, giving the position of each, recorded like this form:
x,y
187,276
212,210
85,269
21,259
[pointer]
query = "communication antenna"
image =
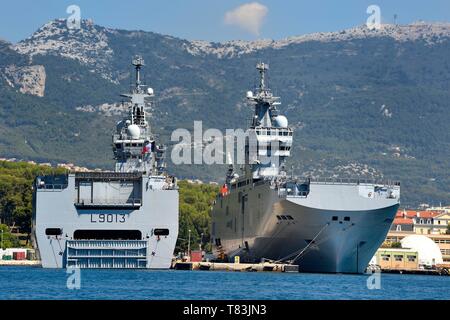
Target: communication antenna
x,y
262,68
395,18
138,62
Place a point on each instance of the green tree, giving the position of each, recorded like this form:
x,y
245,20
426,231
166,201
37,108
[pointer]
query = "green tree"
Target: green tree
x,y
16,180
7,240
396,245
195,214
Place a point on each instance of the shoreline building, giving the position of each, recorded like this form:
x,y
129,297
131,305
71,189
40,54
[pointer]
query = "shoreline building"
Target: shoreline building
x,y
433,224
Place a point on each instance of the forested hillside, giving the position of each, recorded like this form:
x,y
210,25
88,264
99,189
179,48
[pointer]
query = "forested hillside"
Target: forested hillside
x,y
362,103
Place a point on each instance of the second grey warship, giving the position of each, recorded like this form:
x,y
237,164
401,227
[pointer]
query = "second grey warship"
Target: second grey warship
x,y
126,218
322,225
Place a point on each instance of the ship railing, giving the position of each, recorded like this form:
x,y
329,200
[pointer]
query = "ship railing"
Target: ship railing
x,y
108,176
258,183
170,186
131,202
355,181
107,244
282,193
385,194
51,187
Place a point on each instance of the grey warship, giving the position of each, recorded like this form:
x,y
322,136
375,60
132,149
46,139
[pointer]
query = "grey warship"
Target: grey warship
x,y
126,218
321,225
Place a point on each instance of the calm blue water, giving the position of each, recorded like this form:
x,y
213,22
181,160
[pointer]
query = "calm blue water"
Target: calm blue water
x,y
37,283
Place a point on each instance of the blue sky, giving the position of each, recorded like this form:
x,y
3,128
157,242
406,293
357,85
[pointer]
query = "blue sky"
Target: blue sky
x,y
205,19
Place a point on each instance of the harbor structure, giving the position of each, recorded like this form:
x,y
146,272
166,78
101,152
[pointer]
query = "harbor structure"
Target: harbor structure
x,y
432,224
126,218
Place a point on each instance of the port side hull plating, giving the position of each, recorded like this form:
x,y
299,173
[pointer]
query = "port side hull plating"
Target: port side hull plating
x,y
343,245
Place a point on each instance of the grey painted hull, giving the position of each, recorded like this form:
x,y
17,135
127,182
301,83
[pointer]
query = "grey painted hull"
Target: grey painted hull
x,y
56,209
335,229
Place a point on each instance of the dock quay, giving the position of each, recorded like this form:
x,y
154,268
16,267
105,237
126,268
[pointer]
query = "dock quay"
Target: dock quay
x,y
237,267
20,263
435,272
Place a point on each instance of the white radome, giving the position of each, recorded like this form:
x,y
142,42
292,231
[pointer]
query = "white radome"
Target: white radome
x,y
249,94
150,91
428,251
134,131
281,121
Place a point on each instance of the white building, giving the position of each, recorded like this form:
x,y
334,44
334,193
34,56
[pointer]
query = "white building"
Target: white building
x,y
429,252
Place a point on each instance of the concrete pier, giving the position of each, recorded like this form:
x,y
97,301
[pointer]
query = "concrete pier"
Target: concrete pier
x,y
20,263
238,267
434,272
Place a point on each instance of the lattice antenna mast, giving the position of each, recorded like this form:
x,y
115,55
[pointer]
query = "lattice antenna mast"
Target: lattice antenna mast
x,y
262,68
138,63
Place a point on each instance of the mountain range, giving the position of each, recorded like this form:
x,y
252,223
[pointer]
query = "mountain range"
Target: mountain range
x,y
371,103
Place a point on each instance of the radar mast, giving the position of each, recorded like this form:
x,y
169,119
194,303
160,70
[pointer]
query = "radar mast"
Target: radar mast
x,y
134,146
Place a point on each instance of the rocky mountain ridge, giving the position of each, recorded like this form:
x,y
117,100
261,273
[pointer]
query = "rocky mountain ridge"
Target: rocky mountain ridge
x,y
431,33
362,103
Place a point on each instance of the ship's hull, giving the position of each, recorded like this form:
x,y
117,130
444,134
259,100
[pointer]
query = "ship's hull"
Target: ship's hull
x,y
335,229
92,235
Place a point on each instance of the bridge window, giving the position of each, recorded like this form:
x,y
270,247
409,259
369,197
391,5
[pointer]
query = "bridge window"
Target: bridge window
x,y
161,232
53,231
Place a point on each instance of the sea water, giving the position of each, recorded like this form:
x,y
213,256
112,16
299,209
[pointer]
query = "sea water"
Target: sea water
x,y
37,283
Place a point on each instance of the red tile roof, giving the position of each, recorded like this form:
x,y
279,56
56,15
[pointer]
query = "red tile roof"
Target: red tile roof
x,y
413,214
428,214
403,221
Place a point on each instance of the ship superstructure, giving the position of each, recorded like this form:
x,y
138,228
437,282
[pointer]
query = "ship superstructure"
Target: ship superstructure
x,y
126,218
323,225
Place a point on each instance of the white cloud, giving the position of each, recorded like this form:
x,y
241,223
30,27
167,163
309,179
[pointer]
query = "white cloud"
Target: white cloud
x,y
249,17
